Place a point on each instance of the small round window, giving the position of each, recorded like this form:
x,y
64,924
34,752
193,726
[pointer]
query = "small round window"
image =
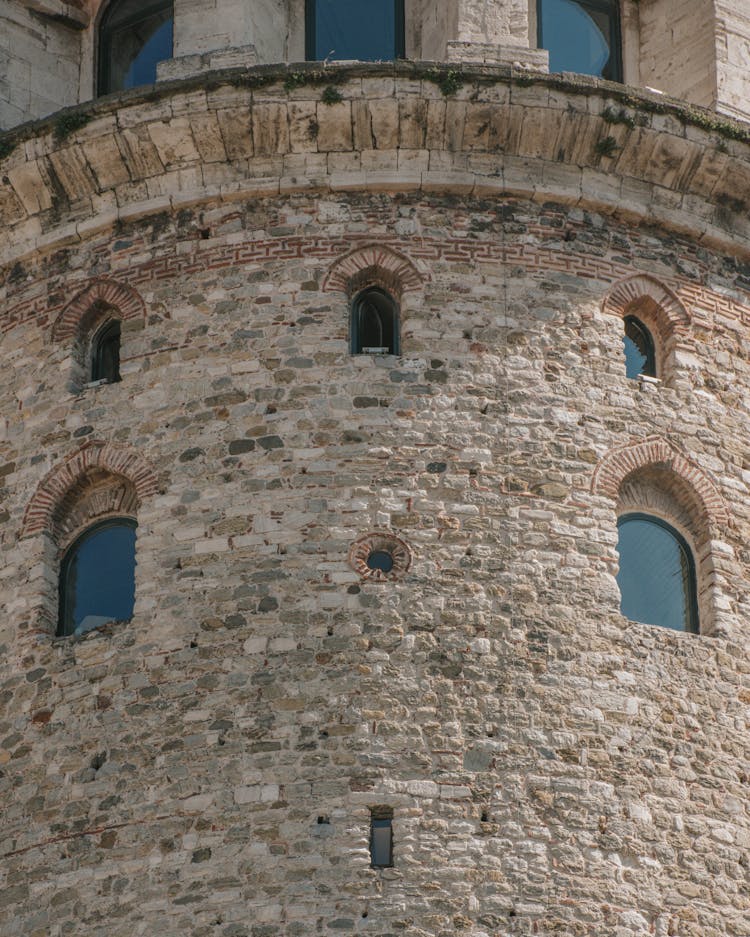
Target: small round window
x,y
380,557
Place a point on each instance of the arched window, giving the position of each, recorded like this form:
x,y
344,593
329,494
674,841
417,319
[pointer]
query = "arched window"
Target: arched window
x,y
133,36
97,577
374,323
657,574
581,36
365,30
105,353
640,356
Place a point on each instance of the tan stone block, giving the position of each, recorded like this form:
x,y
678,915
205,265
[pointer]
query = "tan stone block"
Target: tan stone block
x,y
334,126
236,131
303,126
106,161
30,187
140,154
207,136
384,119
412,114
174,141
74,172
270,129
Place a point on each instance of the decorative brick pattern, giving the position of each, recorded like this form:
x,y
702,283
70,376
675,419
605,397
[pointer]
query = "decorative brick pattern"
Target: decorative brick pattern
x,y
625,296
100,294
79,479
373,265
654,451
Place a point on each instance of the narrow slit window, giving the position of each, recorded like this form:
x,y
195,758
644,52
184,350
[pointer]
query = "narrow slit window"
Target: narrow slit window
x,y
381,837
374,324
640,354
361,30
105,353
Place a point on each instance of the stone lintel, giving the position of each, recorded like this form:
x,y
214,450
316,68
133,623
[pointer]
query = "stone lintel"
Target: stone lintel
x,y
188,66
506,54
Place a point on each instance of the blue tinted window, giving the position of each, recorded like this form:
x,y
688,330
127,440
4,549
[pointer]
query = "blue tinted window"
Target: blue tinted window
x,y
657,574
640,357
97,578
581,36
367,30
133,37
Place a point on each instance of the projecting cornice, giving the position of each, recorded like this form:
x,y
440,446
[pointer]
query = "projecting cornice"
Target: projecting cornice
x,y
484,132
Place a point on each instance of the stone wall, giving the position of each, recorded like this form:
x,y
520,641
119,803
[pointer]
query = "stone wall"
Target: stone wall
x,y
732,57
39,60
695,50
209,768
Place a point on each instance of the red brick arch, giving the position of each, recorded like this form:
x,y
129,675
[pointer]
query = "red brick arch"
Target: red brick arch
x,y
373,264
95,457
656,452
626,294
124,299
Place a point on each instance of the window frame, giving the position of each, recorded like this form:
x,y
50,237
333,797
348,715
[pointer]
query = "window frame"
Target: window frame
x,y
693,616
66,560
400,31
103,61
355,344
611,7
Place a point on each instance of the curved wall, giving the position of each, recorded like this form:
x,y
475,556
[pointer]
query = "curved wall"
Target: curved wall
x,y
209,767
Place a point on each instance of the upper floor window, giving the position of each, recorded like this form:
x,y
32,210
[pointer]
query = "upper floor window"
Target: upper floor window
x,y
105,353
97,577
365,30
374,323
581,36
657,574
133,36
640,355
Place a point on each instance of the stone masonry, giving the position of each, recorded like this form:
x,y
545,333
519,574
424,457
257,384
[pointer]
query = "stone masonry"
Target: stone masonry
x,y
209,768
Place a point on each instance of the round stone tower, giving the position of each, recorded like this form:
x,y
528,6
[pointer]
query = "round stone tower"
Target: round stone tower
x,y
348,348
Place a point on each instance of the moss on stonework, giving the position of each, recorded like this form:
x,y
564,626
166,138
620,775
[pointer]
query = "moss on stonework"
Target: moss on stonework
x,y
6,148
66,124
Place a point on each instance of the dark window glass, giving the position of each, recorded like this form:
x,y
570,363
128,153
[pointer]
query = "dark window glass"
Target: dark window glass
x,y
374,323
97,577
581,36
381,838
657,574
105,353
366,30
380,559
639,349
133,37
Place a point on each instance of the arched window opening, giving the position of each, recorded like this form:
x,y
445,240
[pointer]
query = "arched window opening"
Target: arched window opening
x,y
364,30
374,323
105,353
97,577
640,355
657,574
133,37
581,36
